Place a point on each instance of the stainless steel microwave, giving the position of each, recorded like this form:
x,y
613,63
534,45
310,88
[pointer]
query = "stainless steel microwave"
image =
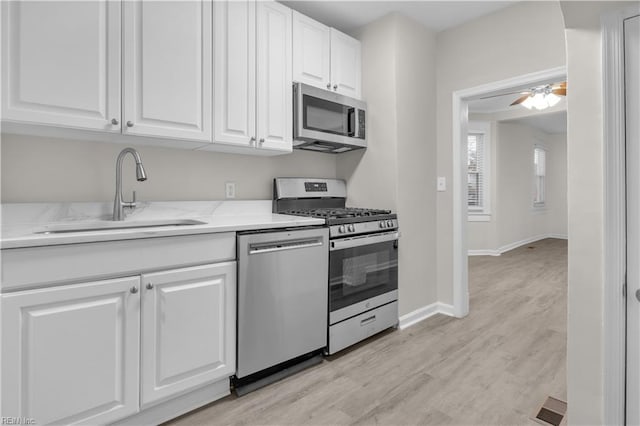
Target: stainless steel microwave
x,y
326,121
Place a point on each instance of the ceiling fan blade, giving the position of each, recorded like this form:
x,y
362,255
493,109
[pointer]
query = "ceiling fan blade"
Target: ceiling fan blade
x,y
560,91
505,94
520,100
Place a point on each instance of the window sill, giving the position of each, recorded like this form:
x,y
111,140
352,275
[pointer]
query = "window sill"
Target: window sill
x,y
479,217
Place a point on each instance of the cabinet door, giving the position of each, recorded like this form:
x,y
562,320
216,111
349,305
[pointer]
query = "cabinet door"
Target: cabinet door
x,y
311,52
234,73
61,63
167,69
345,64
70,354
188,329
274,83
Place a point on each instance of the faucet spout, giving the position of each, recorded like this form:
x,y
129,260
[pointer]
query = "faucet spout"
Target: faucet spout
x,y
119,204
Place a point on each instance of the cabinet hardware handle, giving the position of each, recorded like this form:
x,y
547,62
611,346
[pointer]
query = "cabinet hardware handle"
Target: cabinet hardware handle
x,y
114,122
335,87
261,141
134,289
252,141
329,86
129,123
149,286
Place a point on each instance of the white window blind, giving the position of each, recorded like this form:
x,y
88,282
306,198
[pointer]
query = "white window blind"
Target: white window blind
x,y
475,172
540,171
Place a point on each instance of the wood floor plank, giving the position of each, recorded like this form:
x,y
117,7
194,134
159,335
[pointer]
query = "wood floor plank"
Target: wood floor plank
x,y
496,366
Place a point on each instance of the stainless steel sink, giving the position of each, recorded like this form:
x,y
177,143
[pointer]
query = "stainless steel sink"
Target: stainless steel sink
x,y
107,225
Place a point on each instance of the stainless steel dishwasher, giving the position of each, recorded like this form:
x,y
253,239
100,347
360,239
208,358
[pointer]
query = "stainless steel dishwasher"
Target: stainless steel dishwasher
x,y
282,303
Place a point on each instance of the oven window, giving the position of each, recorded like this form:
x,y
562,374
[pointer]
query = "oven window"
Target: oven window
x,y
326,116
360,273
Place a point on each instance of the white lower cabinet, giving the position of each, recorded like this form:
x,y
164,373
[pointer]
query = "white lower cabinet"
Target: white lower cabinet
x,y
99,352
188,329
70,354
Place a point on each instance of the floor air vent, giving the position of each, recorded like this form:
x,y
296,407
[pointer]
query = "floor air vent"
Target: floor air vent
x,y
552,412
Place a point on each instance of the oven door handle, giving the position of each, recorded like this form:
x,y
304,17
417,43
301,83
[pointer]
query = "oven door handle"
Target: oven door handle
x,y
363,240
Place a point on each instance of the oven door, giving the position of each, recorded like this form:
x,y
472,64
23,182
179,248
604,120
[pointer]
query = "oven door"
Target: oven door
x,y
363,274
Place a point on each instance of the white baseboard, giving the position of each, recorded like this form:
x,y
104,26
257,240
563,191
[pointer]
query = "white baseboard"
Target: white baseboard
x,y
484,253
516,244
558,236
423,313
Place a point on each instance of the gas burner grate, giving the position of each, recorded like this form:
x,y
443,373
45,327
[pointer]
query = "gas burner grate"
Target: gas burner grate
x,y
340,213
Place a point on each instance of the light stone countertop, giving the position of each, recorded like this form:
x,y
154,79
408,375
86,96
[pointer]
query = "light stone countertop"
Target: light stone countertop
x,y
22,221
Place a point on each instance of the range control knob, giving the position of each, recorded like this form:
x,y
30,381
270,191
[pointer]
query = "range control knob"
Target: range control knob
x,y
390,223
383,224
352,228
341,229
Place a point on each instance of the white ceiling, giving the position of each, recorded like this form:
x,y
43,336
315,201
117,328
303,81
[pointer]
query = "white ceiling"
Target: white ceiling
x,y
348,16
552,123
497,107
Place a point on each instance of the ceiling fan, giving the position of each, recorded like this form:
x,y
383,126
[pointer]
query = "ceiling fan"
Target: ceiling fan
x,y
539,97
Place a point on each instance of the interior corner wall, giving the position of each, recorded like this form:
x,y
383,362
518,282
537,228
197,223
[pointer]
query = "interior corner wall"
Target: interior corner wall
x,y
495,47
398,169
514,220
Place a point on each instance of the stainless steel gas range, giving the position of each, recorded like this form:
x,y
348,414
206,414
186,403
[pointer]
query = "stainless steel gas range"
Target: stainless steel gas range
x,y
363,257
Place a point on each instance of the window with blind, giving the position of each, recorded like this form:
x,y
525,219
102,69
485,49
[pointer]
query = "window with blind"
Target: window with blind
x,y
540,171
477,169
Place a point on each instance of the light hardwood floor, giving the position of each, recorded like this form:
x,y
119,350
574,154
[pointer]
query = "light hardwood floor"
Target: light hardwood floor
x,y
496,366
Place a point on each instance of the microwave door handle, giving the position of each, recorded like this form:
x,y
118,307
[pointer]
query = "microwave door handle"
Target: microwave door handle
x,y
351,122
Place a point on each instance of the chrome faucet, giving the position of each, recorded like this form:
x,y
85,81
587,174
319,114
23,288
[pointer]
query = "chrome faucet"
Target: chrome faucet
x,y
119,204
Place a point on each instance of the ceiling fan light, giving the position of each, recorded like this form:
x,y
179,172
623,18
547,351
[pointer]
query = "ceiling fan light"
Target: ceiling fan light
x,y
539,102
527,103
553,99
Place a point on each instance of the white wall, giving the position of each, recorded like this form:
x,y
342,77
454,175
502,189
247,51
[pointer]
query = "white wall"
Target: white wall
x,y
397,171
38,169
495,47
514,220
585,146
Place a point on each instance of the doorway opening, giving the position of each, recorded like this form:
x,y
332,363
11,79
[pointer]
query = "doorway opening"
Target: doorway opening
x,y
461,100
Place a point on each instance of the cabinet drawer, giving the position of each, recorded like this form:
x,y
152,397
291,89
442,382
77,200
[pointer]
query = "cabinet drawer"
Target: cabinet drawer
x,y
42,266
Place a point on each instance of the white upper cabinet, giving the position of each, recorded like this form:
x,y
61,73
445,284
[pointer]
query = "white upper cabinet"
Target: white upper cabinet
x,y
326,58
274,88
311,52
70,354
345,64
235,73
167,69
252,77
61,63
188,329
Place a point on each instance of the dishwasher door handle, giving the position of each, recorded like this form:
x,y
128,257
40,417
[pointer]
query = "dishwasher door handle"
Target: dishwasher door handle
x,y
283,245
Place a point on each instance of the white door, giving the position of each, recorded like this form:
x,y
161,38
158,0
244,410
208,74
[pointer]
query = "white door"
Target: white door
x,y
70,354
632,91
274,84
345,64
311,52
61,63
167,69
188,329
235,72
